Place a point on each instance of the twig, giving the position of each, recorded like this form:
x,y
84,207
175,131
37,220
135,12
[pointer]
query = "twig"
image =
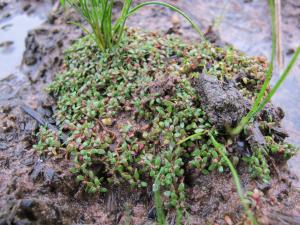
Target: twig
x,y
278,20
39,118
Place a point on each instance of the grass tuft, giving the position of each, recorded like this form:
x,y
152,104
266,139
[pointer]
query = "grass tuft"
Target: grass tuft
x,y
98,14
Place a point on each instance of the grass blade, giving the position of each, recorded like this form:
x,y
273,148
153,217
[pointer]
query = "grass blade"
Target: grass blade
x,y
280,81
120,24
266,83
221,149
160,215
135,9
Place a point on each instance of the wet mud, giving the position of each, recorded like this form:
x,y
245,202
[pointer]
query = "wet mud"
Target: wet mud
x,y
35,190
223,103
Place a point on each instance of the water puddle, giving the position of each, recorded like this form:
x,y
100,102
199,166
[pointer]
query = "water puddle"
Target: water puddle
x,y
13,32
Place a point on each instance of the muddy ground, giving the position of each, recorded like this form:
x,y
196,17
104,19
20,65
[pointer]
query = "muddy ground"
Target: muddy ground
x,y
36,190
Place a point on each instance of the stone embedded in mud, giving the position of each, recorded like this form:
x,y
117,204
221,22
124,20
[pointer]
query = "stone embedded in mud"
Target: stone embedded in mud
x,y
222,103
29,57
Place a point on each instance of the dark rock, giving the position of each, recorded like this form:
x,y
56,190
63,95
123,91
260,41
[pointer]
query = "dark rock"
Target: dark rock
x,y
30,59
30,126
31,211
28,162
7,15
41,172
242,148
52,18
164,86
152,213
6,109
23,222
213,37
240,144
29,56
223,103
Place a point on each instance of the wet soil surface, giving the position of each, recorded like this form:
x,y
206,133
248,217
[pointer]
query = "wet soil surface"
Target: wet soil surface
x,y
223,104
36,190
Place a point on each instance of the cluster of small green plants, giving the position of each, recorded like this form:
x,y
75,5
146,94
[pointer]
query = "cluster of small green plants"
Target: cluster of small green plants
x,y
126,102
125,111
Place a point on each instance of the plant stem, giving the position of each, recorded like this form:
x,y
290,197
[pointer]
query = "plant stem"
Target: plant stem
x,y
280,81
160,216
191,137
136,8
221,149
269,72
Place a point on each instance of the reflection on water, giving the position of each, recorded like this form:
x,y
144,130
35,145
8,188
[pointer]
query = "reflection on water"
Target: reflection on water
x,y
13,32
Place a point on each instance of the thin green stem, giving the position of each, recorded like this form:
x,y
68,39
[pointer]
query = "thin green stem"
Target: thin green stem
x,y
282,78
192,137
222,150
98,14
161,219
266,83
135,9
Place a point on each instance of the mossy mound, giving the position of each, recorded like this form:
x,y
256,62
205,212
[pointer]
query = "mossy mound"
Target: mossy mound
x,y
126,110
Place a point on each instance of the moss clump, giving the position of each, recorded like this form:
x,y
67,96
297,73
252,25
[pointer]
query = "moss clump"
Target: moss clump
x,y
125,111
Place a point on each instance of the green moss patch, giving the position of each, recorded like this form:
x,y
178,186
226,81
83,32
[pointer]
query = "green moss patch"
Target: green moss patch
x,y
125,111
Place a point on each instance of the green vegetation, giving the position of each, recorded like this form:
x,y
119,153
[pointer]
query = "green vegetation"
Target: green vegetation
x,y
126,109
98,14
222,150
260,100
133,117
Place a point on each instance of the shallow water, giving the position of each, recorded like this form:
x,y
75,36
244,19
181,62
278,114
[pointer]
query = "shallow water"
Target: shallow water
x,y
13,31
